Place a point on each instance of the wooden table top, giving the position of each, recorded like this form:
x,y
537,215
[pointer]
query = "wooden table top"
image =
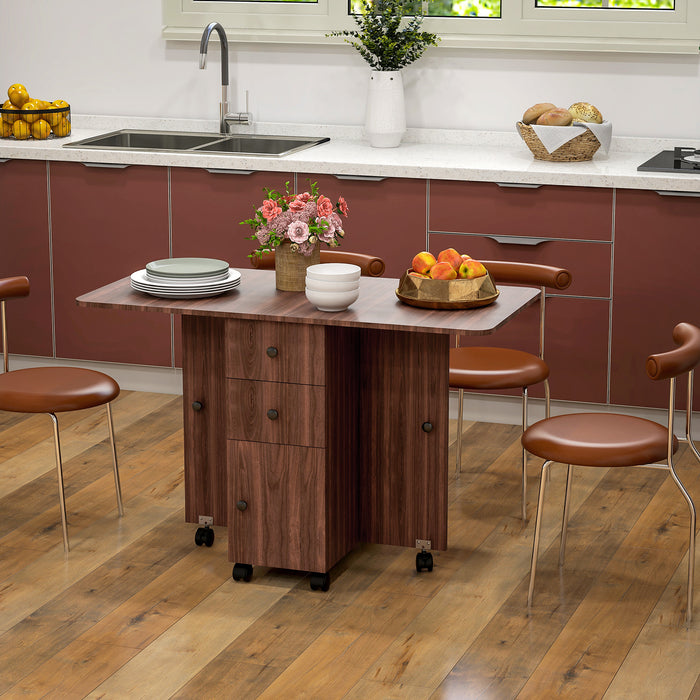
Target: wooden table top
x,y
256,298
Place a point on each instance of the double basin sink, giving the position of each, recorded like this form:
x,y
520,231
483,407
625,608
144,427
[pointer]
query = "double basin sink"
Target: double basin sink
x,y
191,142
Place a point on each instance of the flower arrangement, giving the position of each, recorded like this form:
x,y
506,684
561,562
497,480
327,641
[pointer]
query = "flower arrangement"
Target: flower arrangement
x,y
380,38
304,219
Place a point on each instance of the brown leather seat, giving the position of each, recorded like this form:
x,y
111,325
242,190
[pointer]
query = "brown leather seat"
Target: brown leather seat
x,y
479,368
369,265
54,390
614,440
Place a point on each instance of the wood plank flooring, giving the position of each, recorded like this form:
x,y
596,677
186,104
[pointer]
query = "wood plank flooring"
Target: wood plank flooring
x,y
136,610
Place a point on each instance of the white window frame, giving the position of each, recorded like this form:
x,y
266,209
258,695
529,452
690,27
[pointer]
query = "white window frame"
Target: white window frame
x,y
521,25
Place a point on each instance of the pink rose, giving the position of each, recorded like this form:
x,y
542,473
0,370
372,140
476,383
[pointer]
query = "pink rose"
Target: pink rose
x,y
304,197
298,231
343,206
270,209
297,205
324,206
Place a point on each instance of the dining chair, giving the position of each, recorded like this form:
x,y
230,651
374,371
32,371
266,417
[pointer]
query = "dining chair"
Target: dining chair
x,y
474,368
369,265
53,390
614,441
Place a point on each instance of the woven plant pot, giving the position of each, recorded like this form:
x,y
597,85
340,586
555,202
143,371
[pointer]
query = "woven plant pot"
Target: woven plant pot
x,y
290,267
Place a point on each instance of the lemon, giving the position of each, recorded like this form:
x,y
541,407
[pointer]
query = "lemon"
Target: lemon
x,y
19,96
52,117
10,118
28,108
20,129
62,128
15,86
5,129
41,129
60,103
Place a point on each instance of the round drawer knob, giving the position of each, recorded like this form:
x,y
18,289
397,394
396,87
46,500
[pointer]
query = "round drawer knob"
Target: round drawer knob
x,y
241,505
197,406
271,351
272,414
427,427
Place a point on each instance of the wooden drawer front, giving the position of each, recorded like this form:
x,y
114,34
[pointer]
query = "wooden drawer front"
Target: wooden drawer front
x,y
283,521
549,211
275,352
292,414
589,262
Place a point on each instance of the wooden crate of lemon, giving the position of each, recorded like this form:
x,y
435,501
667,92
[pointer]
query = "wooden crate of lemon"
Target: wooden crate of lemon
x,y
24,117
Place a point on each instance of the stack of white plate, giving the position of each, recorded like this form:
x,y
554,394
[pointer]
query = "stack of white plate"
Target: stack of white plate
x,y
332,286
185,278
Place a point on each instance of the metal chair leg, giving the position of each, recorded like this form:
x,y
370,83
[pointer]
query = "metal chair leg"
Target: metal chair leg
x,y
524,460
59,473
460,423
117,484
565,515
538,527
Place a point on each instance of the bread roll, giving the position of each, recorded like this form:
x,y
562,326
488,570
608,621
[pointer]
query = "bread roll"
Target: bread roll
x,y
555,117
585,112
531,115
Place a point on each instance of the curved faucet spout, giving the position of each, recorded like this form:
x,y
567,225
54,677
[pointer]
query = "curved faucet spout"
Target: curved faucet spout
x,y
204,44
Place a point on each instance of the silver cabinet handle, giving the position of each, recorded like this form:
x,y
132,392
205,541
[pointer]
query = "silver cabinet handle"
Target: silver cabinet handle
x,y
518,240
226,171
669,193
106,165
521,185
367,178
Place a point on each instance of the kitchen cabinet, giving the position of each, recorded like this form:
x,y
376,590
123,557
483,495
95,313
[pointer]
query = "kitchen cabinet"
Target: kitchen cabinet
x,y
387,215
656,286
107,223
559,226
25,250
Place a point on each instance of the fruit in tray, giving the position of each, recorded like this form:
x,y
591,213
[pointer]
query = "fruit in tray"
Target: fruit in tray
x,y
23,118
448,265
548,114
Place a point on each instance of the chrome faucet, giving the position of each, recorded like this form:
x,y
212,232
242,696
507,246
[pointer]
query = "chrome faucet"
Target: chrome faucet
x,y
226,118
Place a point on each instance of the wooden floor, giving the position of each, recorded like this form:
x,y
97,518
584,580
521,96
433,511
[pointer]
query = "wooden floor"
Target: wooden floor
x,y
136,610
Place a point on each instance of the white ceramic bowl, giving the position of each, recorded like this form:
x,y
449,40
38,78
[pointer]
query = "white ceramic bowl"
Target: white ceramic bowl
x,y
331,285
332,301
340,272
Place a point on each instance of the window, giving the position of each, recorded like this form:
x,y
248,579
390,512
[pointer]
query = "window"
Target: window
x,y
647,26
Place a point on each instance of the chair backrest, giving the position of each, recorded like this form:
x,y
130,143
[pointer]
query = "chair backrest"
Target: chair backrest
x,y
369,265
543,276
10,287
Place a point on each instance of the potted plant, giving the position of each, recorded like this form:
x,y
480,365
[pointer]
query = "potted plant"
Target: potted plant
x,y
389,38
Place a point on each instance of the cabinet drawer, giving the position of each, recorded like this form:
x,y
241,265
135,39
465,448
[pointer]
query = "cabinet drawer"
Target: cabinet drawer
x,y
275,352
548,211
292,414
588,262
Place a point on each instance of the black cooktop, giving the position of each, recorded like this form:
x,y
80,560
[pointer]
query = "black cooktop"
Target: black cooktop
x,y
679,160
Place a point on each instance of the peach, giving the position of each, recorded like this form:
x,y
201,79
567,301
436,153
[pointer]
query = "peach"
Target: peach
x,y
443,271
466,257
413,273
469,269
423,262
451,256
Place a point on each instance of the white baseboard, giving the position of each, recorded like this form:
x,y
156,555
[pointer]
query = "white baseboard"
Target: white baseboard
x,y
477,407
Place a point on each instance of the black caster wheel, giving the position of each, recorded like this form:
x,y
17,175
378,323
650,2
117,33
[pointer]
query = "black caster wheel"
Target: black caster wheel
x,y
320,582
204,535
424,560
242,572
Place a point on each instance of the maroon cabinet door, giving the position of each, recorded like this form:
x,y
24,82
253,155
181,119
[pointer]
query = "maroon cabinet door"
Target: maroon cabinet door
x,y
387,216
107,223
656,286
25,250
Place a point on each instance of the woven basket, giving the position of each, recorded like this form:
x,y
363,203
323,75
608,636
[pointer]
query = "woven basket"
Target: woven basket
x,y
290,267
582,147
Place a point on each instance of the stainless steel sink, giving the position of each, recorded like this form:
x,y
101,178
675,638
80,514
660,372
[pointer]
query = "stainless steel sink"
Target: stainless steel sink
x,y
184,141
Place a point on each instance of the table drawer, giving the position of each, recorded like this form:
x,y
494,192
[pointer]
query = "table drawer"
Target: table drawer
x,y
548,211
292,414
588,261
275,352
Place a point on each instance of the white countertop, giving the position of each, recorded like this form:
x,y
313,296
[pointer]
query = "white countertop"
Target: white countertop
x,y
424,153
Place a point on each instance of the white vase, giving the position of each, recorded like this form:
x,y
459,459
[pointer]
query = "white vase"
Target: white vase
x,y
385,121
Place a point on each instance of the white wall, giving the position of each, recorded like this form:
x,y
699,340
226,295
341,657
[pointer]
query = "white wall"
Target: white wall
x,y
110,59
